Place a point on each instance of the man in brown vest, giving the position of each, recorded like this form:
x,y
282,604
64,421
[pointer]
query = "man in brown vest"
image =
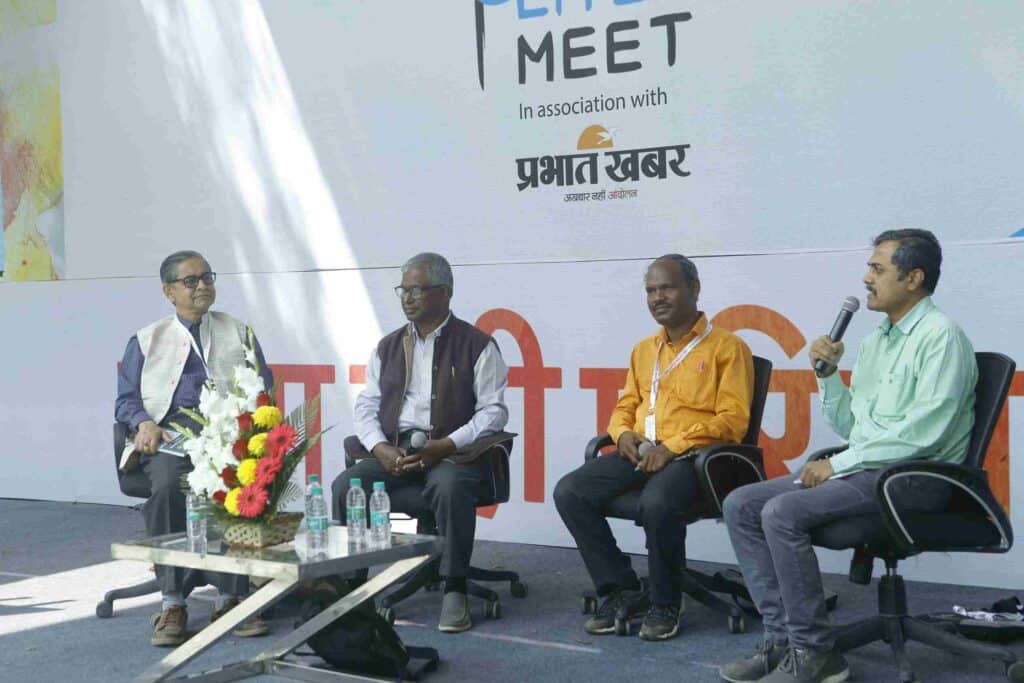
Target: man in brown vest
x,y
445,378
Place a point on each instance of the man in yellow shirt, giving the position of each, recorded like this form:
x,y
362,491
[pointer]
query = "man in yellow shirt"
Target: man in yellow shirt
x,y
689,385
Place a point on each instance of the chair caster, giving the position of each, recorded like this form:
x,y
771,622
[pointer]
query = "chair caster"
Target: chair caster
x,y
104,609
387,614
621,627
518,589
588,604
493,610
737,624
1015,672
432,586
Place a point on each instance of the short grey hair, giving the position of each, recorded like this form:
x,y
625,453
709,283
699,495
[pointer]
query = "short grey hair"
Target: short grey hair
x,y
438,269
169,267
685,264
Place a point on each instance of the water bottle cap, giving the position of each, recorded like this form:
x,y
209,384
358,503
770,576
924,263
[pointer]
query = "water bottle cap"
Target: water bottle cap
x,y
378,486
355,482
314,478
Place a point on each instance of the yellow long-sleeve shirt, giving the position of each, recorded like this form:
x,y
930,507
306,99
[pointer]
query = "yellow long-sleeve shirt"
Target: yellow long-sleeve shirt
x,y
704,400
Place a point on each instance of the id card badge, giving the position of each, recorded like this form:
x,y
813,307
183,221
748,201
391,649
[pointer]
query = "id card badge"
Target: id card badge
x,y
651,428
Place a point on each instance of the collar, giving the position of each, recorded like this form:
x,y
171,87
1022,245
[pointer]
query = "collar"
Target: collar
x,y
909,321
695,331
414,333
189,324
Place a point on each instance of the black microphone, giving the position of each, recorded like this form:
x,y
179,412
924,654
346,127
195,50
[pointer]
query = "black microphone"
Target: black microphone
x,y
417,441
850,306
642,451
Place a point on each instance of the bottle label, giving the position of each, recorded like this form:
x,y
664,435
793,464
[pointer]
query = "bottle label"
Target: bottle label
x,y
379,519
317,523
356,514
194,515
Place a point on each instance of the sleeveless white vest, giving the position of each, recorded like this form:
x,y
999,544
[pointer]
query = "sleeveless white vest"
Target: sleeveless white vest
x,y
166,345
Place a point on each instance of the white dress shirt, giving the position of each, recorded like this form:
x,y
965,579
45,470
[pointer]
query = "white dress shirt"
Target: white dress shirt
x,y
490,377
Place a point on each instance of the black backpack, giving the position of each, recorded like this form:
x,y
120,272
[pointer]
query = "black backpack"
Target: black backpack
x,y
361,641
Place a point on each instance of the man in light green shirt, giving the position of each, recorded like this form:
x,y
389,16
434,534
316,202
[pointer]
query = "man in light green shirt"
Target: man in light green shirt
x,y
911,395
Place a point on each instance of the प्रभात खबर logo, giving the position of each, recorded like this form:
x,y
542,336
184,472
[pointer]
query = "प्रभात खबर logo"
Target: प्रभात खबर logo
x,y
596,157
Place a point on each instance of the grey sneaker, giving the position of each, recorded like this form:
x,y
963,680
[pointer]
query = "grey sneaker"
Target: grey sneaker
x,y
660,623
806,666
761,662
169,630
454,613
628,604
253,627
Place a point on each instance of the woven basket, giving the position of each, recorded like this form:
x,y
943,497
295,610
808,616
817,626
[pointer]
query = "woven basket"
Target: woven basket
x,y
280,529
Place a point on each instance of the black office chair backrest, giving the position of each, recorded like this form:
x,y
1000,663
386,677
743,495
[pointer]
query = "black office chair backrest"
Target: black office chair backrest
x,y
995,372
762,377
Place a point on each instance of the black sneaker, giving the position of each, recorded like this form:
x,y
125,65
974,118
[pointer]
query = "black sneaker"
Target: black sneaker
x,y
761,662
806,666
660,623
632,603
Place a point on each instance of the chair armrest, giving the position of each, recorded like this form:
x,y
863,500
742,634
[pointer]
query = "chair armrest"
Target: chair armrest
x,y
971,481
826,452
724,467
595,445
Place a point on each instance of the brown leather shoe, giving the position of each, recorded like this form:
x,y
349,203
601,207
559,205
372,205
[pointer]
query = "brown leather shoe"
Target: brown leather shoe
x,y
170,627
250,628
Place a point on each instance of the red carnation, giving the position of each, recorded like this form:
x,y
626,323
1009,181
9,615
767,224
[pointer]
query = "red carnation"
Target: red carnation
x,y
245,422
227,475
219,496
252,501
263,400
267,469
280,439
241,449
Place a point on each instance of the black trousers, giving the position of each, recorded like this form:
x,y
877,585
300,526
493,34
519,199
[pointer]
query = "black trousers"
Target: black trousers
x,y
164,513
447,490
581,496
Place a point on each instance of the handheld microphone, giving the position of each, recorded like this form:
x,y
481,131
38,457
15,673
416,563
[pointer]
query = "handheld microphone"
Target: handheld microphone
x,y
417,441
849,307
641,451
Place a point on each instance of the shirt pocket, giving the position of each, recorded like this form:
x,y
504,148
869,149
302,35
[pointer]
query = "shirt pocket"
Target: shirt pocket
x,y
695,386
894,391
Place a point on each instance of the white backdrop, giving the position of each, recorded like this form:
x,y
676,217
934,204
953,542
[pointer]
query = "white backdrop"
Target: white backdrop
x,y
309,147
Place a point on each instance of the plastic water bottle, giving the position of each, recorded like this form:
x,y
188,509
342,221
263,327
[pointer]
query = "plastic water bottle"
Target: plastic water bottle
x,y
195,523
316,511
380,515
313,479
355,512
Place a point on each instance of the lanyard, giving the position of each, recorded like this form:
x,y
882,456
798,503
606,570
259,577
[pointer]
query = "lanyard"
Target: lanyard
x,y
656,372
203,352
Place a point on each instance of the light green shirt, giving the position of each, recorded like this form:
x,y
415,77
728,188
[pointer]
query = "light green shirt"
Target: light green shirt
x,y
911,394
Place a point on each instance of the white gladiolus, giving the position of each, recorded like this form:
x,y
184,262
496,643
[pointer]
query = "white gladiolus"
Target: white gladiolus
x,y
249,383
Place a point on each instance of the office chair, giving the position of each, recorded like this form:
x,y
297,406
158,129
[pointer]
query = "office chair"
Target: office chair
x,y
720,469
136,485
410,501
973,521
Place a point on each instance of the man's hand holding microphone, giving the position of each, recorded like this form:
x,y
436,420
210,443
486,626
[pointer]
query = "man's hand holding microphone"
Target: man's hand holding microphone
x,y
643,453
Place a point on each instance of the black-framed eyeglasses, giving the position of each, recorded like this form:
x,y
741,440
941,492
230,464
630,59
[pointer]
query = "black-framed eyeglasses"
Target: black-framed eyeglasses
x,y
414,292
192,281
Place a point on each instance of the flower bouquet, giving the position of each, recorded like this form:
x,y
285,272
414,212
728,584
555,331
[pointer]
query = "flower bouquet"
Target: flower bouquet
x,y
245,454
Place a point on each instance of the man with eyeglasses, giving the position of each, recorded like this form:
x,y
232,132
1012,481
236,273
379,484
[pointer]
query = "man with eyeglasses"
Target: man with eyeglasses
x,y
443,377
164,368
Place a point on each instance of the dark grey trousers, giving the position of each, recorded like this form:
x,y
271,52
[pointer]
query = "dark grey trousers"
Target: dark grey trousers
x,y
164,513
770,525
580,497
448,490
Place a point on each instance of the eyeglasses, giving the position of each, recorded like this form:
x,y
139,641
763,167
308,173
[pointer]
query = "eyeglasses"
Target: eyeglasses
x,y
192,281
414,292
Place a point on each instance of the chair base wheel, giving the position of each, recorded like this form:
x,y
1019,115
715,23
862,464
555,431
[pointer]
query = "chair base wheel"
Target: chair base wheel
x,y
387,614
104,610
1015,672
432,586
622,627
737,624
518,589
493,610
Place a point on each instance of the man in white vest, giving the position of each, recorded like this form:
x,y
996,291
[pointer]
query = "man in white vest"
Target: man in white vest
x,y
164,368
